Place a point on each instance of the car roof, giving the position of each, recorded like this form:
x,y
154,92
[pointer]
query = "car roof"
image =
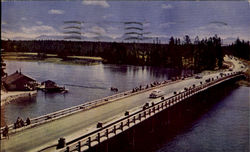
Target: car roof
x,y
156,90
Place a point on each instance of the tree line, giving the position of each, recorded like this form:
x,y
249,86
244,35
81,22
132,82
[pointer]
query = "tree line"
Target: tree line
x,y
201,54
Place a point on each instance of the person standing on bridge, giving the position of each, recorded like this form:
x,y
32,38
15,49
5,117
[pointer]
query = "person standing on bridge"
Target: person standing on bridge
x,y
6,132
28,121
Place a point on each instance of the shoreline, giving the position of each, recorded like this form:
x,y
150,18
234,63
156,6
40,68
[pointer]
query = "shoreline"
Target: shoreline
x,y
51,58
11,96
245,82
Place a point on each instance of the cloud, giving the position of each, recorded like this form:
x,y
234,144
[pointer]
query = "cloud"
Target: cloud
x,y
17,35
111,28
28,33
97,30
38,29
4,23
55,11
101,3
165,25
166,6
222,30
23,18
147,24
107,16
39,22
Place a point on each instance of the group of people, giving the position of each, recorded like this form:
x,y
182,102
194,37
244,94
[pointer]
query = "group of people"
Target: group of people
x,y
18,124
137,89
147,86
114,89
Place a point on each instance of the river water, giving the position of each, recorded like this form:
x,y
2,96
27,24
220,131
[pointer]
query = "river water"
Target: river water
x,y
85,83
224,127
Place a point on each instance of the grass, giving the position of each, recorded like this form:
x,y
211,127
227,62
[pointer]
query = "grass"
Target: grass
x,y
86,57
52,58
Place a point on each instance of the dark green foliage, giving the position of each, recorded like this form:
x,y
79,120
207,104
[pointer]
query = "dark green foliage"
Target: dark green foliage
x,y
208,53
241,49
200,55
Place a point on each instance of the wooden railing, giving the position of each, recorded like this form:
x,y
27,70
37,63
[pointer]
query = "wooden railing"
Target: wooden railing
x,y
109,130
87,105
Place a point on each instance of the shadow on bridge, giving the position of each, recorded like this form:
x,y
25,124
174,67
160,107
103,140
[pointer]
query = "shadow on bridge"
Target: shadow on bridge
x,y
155,132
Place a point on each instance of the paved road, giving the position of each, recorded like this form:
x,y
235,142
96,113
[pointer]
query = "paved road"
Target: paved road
x,y
77,124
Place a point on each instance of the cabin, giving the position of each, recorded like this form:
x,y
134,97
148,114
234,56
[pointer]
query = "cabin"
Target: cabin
x,y
19,82
49,84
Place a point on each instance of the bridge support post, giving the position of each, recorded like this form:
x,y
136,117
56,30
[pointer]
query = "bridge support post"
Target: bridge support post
x,y
122,126
79,146
128,122
89,142
98,138
114,129
139,117
107,133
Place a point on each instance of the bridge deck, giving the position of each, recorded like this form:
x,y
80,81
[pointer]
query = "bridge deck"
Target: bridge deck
x,y
80,123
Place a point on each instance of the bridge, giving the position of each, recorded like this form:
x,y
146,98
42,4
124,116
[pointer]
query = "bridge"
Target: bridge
x,y
114,114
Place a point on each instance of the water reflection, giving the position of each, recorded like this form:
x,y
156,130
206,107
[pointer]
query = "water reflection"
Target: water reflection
x,y
85,83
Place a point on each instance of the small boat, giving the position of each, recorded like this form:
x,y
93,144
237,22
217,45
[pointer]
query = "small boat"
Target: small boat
x,y
51,86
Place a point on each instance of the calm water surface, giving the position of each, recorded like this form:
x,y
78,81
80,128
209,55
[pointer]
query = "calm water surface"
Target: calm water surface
x,y
224,127
85,83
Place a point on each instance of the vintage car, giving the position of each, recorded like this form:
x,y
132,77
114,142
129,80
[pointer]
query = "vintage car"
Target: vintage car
x,y
156,94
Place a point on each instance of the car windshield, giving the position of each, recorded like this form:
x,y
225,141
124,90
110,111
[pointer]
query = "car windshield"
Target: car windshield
x,y
156,91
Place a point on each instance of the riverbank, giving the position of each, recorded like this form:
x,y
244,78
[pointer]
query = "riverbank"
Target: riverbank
x,y
11,96
52,58
245,82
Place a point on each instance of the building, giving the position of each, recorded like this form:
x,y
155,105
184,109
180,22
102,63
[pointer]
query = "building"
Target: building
x,y
19,82
51,86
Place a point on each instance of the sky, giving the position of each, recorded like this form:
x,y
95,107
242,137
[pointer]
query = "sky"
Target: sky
x,y
105,20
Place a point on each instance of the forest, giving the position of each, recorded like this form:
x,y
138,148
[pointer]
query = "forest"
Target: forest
x,y
204,54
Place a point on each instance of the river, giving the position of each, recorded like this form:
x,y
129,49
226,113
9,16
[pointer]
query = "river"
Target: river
x,y
85,83
222,127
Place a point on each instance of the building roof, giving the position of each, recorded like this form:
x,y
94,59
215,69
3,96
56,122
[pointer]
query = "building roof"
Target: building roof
x,y
15,77
48,82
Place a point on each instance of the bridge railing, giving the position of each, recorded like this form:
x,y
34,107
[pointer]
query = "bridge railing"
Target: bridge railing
x,y
93,138
87,105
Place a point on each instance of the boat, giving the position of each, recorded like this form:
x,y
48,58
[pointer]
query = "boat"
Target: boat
x,y
51,86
